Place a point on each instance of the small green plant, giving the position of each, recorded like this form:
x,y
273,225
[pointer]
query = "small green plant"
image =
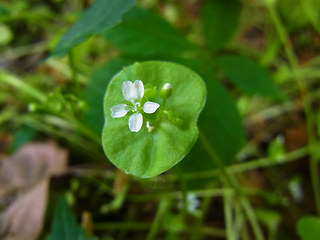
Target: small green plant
x,y
150,131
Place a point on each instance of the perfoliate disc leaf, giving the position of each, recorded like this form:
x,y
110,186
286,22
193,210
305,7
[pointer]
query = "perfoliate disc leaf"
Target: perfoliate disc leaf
x,y
166,135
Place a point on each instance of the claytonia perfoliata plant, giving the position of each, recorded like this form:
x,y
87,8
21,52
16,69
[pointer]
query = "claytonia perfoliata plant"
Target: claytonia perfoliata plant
x,y
162,113
133,92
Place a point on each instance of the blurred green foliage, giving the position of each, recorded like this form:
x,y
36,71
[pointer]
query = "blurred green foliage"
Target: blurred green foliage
x,y
259,55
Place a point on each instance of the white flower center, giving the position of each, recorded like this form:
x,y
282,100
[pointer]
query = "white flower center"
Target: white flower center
x,y
134,92
135,106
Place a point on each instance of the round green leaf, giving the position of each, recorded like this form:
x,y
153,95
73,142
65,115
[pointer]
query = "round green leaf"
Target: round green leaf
x,y
308,227
174,131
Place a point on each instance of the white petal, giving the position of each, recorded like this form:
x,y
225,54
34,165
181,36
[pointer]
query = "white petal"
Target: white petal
x,y
150,107
139,89
132,91
120,110
128,91
135,122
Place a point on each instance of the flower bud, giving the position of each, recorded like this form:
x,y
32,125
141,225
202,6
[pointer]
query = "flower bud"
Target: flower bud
x,y
166,90
82,105
32,107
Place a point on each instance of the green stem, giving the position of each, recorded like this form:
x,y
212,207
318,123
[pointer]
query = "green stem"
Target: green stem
x,y
65,70
74,72
22,86
196,233
45,124
245,204
266,162
252,217
67,122
293,61
162,209
18,52
33,92
118,200
239,224
228,215
177,195
85,130
7,114
253,164
184,188
283,35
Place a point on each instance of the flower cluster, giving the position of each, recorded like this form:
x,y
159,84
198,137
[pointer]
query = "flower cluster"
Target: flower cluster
x,y
133,92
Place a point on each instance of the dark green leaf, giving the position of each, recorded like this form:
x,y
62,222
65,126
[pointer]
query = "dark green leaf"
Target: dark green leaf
x,y
96,90
148,153
220,20
22,136
248,76
308,228
102,15
64,225
3,11
221,125
143,33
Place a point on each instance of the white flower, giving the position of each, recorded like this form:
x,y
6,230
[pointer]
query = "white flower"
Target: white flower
x,y
192,202
133,92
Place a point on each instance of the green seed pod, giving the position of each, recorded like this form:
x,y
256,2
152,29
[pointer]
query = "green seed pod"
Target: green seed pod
x,y
82,105
166,91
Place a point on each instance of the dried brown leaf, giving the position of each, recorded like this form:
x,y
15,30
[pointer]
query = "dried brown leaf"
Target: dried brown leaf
x,y
30,165
24,179
23,218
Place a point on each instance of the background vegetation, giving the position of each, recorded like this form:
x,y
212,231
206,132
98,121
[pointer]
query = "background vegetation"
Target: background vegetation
x,y
254,171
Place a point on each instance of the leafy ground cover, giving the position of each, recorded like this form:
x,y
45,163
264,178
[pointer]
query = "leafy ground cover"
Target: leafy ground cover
x,y
229,149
